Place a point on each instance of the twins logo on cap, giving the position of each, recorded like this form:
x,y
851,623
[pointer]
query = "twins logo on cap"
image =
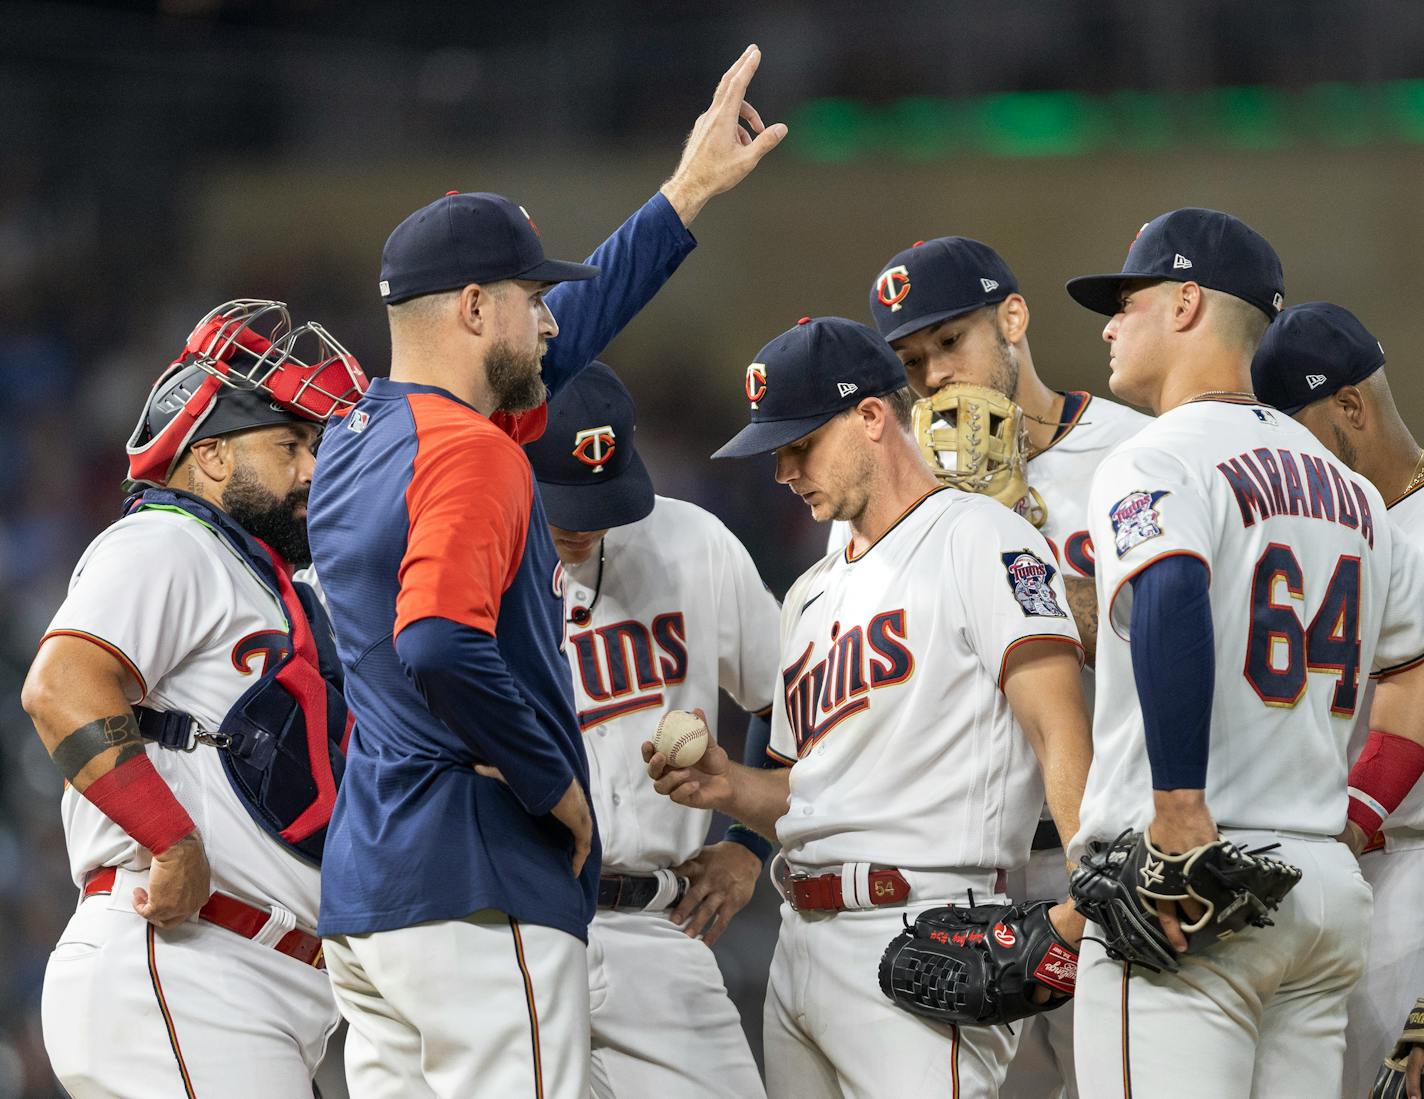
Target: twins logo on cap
x,y
892,287
756,382
593,446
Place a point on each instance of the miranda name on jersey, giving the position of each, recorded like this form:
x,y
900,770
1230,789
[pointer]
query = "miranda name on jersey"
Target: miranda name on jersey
x,y
820,696
1267,483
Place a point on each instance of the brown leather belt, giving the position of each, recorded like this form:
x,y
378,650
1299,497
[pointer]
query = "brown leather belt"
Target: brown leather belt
x,y
234,915
825,893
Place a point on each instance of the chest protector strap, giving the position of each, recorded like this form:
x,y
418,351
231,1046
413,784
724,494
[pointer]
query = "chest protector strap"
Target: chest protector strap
x,y
282,742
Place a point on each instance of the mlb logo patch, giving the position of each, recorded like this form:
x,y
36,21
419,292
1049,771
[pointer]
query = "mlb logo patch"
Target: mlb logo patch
x,y
1135,519
357,420
1031,581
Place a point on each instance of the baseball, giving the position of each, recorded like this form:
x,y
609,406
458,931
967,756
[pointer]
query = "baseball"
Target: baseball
x,y
681,737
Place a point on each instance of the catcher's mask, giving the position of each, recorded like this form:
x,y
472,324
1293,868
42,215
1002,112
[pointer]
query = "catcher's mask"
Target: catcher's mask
x,y
244,366
974,439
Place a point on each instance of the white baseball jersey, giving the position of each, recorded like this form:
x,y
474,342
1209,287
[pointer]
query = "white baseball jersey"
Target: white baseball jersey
x,y
1405,826
195,628
678,612
1309,592
889,703
1061,473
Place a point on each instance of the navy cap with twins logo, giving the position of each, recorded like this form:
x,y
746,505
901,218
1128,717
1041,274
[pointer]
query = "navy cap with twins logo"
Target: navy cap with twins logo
x,y
467,238
935,281
1309,352
809,374
1207,247
590,477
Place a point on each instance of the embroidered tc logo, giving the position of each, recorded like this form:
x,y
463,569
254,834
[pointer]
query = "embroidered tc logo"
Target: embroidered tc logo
x,y
756,382
594,445
892,286
530,220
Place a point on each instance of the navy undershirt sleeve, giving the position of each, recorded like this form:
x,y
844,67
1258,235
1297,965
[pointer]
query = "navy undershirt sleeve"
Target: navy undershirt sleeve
x,y
1174,666
633,263
464,680
754,755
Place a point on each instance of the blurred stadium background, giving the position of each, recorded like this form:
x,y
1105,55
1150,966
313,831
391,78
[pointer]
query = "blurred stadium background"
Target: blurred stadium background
x,y
159,158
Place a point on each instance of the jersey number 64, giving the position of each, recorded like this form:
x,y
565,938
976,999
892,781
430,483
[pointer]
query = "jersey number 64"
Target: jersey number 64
x,y
1331,643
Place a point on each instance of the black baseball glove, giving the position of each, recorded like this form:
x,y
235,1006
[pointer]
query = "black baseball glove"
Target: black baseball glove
x,y
1117,885
979,966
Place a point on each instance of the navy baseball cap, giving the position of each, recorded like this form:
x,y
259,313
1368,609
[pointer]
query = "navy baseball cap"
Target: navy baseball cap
x,y
1194,245
1309,352
590,477
809,374
935,280
465,238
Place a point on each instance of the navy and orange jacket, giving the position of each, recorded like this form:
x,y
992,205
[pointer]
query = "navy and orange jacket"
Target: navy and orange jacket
x,y
431,544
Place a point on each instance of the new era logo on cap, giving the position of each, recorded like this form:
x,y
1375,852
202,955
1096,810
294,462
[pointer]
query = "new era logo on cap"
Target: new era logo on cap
x,y
951,276
1180,262
1309,352
385,289
846,388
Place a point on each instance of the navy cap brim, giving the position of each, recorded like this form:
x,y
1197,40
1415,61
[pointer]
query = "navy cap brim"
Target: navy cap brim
x,y
558,270
1100,292
767,435
612,502
917,323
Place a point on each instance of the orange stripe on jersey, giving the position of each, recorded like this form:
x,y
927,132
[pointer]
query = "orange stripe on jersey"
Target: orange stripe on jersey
x,y
468,506
1112,602
1406,495
1058,637
1385,673
110,648
954,1063
1126,1058
779,758
902,517
533,1010
168,1018
1066,426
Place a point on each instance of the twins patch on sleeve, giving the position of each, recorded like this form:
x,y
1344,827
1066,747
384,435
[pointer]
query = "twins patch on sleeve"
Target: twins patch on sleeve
x,y
1135,519
1031,581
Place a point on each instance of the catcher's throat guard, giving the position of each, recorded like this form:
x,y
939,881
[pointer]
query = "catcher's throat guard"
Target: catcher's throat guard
x,y
975,440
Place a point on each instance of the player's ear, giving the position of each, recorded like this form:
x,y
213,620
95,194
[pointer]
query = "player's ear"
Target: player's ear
x,y
214,457
474,306
875,414
1350,404
1013,318
1187,302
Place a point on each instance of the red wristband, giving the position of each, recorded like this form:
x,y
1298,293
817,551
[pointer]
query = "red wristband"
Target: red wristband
x,y
1386,771
134,796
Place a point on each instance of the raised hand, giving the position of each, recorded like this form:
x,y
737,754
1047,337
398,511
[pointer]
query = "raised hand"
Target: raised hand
x,y
720,151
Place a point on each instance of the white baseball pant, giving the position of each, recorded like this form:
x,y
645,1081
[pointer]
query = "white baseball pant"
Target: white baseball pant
x,y
132,1012
662,1021
461,1009
1259,1015
1042,1067
830,1031
1394,970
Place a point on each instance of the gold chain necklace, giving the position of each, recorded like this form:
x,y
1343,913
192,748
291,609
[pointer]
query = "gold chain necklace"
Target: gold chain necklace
x,y
1214,394
1416,477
